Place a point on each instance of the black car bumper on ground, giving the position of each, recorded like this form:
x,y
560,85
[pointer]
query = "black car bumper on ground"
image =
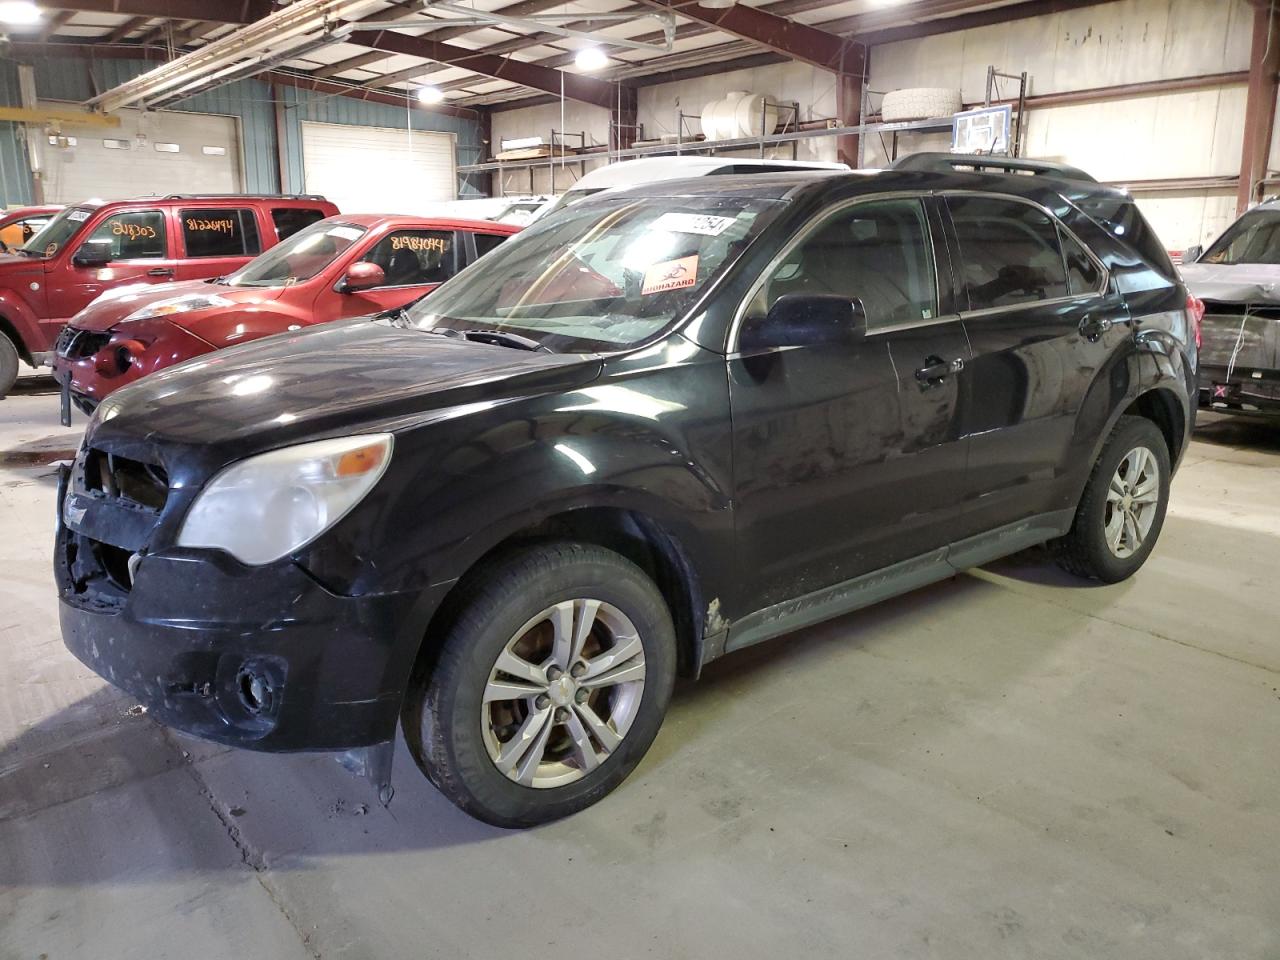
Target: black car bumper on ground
x,y
263,657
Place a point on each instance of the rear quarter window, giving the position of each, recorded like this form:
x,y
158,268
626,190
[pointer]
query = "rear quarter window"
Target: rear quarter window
x,y
488,241
1124,221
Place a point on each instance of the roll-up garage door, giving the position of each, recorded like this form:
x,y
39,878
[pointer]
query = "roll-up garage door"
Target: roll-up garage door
x,y
377,169
160,153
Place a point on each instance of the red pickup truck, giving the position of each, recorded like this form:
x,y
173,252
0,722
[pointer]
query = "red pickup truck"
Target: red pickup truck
x,y
89,248
346,266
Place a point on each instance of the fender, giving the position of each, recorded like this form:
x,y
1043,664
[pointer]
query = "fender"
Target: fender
x,y
1153,359
21,319
253,322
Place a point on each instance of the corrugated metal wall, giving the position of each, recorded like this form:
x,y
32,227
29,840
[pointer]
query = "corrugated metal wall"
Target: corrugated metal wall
x,y
76,80
303,105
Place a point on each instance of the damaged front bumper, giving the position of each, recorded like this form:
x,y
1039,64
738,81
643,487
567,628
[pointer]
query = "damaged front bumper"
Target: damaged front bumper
x,y
1240,358
264,658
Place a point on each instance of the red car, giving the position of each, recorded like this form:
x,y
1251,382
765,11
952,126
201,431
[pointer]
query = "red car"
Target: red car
x,y
91,247
20,225
345,266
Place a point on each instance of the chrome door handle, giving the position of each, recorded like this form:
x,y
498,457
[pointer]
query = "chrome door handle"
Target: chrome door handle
x,y
936,370
160,272
1092,328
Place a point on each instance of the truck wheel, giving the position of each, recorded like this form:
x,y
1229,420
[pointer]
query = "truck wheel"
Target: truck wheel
x,y
8,365
551,684
1122,510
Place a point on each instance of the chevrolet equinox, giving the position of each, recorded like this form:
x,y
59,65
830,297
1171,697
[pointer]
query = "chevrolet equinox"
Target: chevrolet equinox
x,y
656,427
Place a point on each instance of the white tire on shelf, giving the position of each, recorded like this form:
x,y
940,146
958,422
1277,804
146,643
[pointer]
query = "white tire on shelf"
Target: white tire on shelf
x,y
919,103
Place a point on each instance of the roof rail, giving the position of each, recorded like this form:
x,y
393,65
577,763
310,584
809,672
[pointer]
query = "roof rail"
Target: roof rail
x,y
237,196
983,163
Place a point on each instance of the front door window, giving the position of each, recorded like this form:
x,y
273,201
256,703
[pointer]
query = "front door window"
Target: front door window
x,y
136,235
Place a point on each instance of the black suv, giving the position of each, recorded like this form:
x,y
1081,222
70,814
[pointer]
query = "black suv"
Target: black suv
x,y
658,426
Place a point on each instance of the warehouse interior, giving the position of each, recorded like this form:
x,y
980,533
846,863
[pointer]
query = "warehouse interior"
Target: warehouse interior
x,y
1007,761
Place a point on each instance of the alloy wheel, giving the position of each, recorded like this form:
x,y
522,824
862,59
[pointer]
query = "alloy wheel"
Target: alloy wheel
x,y
563,693
1133,500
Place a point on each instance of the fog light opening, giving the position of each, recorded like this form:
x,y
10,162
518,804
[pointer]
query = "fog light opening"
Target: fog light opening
x,y
256,692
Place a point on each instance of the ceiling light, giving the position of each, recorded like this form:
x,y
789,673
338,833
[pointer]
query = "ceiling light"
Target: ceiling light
x,y
591,58
19,12
430,95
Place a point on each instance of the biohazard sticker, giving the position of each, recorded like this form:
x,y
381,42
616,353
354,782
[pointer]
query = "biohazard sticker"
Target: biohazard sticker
x,y
670,275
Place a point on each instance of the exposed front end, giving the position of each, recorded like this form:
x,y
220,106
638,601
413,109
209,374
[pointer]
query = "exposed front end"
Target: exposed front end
x,y
93,364
1240,358
253,655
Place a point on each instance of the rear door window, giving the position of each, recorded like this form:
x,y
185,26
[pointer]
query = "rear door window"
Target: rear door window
x,y
289,220
1009,252
136,235
412,257
220,232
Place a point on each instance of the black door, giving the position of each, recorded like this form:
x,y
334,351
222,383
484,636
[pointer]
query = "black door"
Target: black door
x,y
844,459
1041,324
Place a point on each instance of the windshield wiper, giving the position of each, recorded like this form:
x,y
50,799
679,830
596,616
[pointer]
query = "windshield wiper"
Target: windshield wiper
x,y
504,339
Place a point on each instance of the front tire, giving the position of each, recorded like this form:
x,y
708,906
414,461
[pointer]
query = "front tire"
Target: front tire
x,y
8,365
550,686
1122,510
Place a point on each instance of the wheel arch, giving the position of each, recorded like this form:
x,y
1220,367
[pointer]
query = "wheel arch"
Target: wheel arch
x,y
9,330
1161,406
636,535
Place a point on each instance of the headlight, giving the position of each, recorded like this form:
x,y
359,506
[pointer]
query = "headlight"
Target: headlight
x,y
183,304
265,507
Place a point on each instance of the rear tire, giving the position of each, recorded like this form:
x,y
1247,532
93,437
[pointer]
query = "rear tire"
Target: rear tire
x,y
1122,510
552,682
8,365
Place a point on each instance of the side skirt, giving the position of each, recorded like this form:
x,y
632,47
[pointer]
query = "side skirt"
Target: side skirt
x,y
842,598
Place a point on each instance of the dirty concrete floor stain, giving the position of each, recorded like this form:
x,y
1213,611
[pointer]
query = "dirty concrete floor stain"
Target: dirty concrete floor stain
x,y
1006,764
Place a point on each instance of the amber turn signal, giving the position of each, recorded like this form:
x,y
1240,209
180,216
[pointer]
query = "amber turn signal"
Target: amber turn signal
x,y
362,460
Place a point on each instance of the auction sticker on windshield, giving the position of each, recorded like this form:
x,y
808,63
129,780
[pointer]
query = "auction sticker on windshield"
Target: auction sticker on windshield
x,y
703,224
670,275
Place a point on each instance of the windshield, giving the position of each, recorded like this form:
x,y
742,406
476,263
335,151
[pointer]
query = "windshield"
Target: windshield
x,y
57,232
298,258
1254,238
601,276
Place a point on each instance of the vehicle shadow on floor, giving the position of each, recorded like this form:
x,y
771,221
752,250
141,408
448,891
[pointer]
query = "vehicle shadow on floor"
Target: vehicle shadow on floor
x,y
35,385
99,763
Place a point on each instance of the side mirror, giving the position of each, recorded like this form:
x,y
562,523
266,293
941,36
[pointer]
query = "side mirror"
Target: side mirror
x,y
1192,254
362,276
804,320
93,253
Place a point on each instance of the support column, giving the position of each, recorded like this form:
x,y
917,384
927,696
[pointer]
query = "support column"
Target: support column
x,y
623,118
1260,106
282,134
848,114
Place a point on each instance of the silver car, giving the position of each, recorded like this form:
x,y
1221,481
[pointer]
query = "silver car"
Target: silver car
x,y
1238,278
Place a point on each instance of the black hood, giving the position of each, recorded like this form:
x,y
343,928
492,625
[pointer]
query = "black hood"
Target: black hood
x,y
338,378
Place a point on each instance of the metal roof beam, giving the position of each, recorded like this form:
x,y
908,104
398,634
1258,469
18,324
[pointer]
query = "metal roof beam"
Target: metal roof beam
x,y
795,40
221,11
583,89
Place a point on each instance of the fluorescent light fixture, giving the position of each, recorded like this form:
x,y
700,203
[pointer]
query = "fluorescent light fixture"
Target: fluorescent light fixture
x,y
591,58
19,12
430,95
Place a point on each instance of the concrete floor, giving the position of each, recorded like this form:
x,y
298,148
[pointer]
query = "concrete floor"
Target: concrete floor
x,y
1009,764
